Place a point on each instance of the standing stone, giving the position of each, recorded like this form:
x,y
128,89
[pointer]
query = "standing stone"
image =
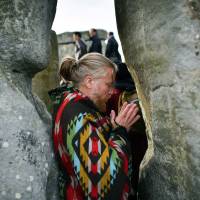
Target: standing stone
x,y
48,78
27,170
161,44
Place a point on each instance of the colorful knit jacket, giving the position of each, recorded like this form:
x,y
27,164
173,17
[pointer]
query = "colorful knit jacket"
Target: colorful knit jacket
x,y
94,159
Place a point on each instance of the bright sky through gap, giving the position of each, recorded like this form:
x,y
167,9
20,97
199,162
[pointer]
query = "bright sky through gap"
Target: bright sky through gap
x,y
81,15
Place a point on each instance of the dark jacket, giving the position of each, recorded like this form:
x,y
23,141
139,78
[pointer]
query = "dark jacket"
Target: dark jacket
x,y
112,51
96,45
80,49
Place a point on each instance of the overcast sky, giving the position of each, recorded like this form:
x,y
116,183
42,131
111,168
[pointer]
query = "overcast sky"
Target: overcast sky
x,y
81,15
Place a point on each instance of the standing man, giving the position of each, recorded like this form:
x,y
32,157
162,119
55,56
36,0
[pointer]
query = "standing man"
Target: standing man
x,y
96,42
80,46
112,49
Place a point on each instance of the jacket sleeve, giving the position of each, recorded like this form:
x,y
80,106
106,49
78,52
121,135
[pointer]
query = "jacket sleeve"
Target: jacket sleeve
x,y
83,49
99,164
96,46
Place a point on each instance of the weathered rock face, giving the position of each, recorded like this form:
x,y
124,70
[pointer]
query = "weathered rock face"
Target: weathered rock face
x,y
66,46
48,78
25,149
161,44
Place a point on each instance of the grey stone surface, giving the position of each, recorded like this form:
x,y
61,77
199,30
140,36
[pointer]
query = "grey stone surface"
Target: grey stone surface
x,y
27,162
161,41
66,46
48,78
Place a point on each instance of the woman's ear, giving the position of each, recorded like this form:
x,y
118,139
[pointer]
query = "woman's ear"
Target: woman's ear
x,y
88,81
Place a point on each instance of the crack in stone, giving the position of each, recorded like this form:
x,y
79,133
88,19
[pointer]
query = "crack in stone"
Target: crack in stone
x,y
161,86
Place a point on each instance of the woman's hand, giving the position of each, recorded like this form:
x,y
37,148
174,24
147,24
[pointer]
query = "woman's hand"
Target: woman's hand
x,y
126,117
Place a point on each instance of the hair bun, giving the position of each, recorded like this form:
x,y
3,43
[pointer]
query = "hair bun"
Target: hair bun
x,y
67,67
74,64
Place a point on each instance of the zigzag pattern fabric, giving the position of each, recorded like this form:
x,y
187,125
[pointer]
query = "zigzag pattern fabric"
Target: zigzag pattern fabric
x,y
92,156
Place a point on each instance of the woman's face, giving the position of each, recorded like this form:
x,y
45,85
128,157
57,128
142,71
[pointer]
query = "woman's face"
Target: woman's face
x,y
102,87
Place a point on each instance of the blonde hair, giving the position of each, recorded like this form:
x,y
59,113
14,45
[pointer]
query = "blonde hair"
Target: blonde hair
x,y
90,64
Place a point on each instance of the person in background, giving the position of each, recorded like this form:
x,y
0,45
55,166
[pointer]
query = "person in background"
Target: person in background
x,y
92,149
111,51
80,46
96,42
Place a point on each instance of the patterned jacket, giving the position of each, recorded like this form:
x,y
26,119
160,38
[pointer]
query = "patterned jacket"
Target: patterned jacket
x,y
93,158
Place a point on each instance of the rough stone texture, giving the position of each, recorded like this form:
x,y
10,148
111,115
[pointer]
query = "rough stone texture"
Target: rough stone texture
x,y
66,46
27,166
161,41
48,78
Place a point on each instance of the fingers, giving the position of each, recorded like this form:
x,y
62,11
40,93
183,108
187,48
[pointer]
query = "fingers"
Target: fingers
x,y
128,115
123,106
128,109
112,115
112,118
131,113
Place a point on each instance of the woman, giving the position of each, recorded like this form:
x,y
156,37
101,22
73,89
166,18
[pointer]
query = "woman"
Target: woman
x,y
92,149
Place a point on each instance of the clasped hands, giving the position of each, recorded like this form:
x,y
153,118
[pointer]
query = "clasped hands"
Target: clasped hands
x,y
126,117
